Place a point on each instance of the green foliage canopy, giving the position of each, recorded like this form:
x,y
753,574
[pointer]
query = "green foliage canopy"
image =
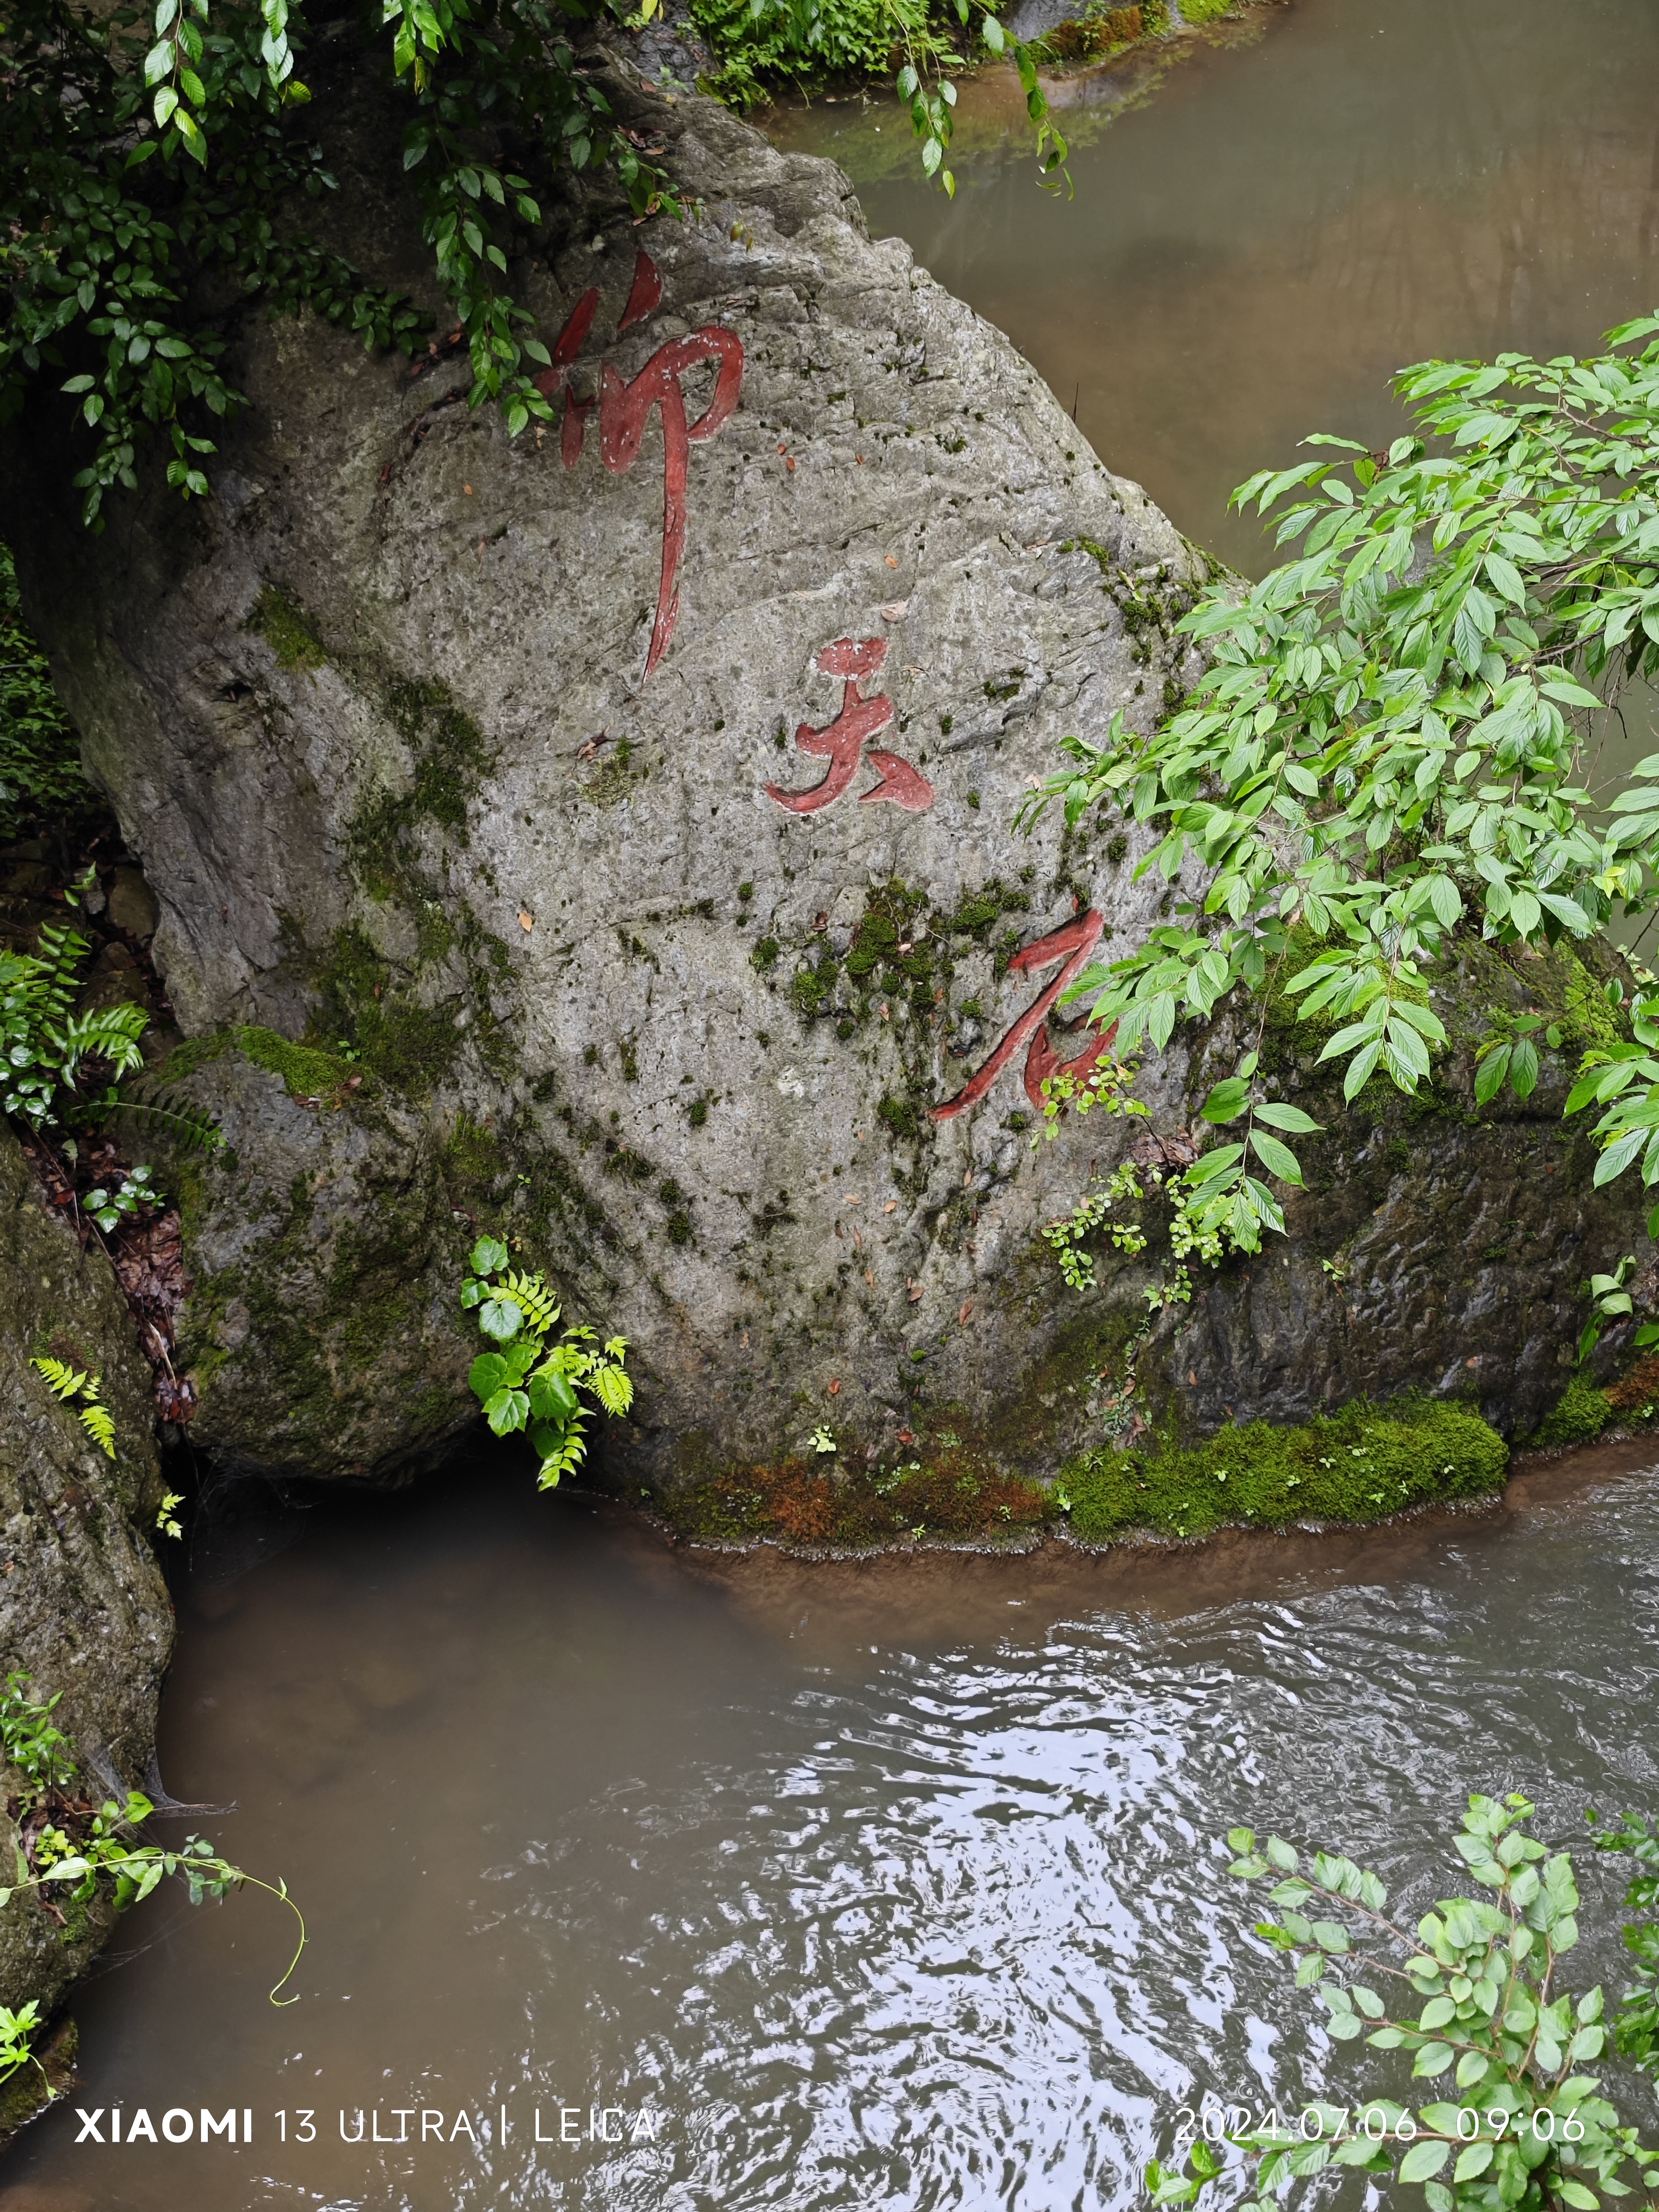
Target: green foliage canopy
x,y
1393,740
147,149
144,151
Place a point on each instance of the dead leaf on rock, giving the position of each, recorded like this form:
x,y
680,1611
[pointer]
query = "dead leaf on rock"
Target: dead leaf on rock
x,y
891,1206
895,610
915,1289
891,559
834,1387
526,920
964,1311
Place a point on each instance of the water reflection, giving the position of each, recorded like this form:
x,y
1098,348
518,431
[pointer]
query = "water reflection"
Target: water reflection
x,y
1254,250
852,1888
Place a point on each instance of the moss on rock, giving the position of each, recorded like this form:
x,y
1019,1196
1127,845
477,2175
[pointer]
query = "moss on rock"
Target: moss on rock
x,y
1578,1416
1362,1464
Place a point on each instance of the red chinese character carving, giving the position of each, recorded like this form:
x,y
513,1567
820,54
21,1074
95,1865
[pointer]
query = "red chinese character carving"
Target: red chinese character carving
x,y
1072,943
905,785
841,741
625,408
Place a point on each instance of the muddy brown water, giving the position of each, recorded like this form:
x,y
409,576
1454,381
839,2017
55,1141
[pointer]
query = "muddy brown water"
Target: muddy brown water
x,y
873,1883
747,1883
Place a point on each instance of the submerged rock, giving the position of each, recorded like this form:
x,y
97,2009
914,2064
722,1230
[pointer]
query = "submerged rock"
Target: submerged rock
x,y
83,1608
606,835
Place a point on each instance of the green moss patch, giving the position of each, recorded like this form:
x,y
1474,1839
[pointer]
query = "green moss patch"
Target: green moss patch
x,y
286,631
1578,1416
307,1071
1361,1464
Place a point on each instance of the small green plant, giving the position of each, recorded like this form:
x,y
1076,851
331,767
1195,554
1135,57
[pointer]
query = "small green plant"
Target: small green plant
x,y
77,1388
1636,2025
1109,1085
47,1050
17,2033
40,753
89,1846
167,1518
42,1042
110,1208
525,1383
34,1744
822,1441
1216,1205
1094,1208
1528,2129
1610,1301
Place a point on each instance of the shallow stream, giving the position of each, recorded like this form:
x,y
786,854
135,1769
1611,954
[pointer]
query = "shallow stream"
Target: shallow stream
x,y
885,1884
890,1886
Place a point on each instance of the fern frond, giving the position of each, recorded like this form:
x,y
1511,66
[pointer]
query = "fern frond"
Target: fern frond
x,y
55,967
112,1032
569,1454
95,1420
63,1380
530,1293
187,1125
614,1388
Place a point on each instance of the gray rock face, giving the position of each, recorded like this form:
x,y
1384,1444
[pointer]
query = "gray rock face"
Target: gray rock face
x,y
635,801
83,1608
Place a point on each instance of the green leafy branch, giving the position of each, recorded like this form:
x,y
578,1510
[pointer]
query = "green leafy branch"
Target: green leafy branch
x,y
525,1383
1393,740
54,1859
932,100
1531,2130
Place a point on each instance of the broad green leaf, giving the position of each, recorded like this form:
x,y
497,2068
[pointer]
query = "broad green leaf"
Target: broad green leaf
x,y
1278,1159
500,1318
1424,2160
1227,1101
1292,1118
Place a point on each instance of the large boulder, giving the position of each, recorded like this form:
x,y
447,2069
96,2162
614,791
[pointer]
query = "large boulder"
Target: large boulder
x,y
83,1609
608,835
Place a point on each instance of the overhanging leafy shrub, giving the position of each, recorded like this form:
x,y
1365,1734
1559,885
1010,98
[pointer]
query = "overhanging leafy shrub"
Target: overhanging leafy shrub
x,y
40,753
841,37
1359,1465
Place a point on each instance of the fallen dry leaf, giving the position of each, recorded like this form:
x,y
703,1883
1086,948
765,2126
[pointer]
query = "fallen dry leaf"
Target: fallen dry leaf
x,y
834,1387
854,1198
964,1311
891,559
467,489
907,1436
526,921
915,1289
869,1277
895,610
891,1206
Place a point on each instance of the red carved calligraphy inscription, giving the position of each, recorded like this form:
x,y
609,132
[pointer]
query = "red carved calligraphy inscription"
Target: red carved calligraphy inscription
x,y
1072,943
841,741
625,408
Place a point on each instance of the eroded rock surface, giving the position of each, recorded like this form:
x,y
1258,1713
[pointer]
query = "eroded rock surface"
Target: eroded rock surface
x,y
624,815
83,1608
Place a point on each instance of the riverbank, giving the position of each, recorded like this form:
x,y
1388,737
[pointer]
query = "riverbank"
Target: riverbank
x,y
1220,1491
928,1584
